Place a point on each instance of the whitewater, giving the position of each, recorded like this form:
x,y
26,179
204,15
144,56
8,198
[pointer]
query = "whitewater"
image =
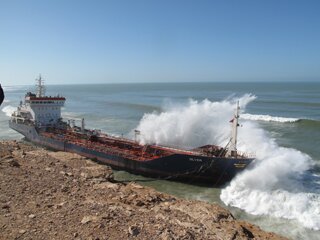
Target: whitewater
x,y
268,118
272,186
8,110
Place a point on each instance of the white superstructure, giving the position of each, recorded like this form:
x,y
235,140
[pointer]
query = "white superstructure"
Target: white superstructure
x,y
39,109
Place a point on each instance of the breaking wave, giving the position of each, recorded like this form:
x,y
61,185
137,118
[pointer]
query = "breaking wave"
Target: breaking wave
x,y
275,183
275,187
8,110
191,125
268,118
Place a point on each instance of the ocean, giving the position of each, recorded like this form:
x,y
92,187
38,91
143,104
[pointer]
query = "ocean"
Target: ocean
x,y
279,123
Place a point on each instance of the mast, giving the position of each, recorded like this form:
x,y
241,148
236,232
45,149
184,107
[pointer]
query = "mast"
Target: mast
x,y
136,134
232,149
82,125
40,87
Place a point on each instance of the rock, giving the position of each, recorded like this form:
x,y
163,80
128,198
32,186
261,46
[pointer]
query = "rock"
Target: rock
x,y
60,205
138,203
166,235
64,195
6,206
107,185
84,175
110,177
7,157
248,233
64,188
12,162
133,230
134,185
87,219
222,216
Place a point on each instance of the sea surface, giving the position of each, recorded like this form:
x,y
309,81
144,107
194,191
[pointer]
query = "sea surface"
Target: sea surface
x,y
280,124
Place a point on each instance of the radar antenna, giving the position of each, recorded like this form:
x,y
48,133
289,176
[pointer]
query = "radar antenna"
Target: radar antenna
x,y
40,87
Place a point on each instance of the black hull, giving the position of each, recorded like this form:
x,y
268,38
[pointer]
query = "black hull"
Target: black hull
x,y
190,169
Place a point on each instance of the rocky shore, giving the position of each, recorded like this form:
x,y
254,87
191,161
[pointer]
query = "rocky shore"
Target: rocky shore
x,y
57,195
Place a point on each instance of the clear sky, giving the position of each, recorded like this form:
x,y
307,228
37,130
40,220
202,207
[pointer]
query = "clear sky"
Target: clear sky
x,y
74,41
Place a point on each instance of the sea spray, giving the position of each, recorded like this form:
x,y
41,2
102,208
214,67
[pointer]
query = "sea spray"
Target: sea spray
x,y
191,125
272,186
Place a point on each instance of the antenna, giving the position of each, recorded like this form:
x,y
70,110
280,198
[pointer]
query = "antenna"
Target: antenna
x,y
40,87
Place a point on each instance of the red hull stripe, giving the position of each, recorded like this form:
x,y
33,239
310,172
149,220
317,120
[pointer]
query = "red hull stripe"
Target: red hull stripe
x,y
47,98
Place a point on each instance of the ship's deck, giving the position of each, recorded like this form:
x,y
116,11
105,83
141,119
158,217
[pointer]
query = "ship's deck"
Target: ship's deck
x,y
114,145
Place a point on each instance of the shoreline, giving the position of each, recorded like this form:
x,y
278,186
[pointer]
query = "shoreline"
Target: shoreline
x,y
57,195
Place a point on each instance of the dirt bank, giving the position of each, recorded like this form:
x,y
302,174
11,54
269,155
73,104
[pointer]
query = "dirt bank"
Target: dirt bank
x,y
57,195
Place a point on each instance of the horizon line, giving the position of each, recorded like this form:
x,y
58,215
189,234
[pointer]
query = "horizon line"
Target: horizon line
x,y
175,82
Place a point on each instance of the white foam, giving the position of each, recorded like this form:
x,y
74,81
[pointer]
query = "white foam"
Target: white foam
x,y
268,118
191,125
272,187
8,110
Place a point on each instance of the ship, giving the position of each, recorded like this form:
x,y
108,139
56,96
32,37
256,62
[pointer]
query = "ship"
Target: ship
x,y
38,118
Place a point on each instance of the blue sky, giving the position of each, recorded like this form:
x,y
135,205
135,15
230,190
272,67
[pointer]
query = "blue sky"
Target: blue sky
x,y
159,41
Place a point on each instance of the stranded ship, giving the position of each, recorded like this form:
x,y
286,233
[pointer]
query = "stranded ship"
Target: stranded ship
x,y
39,119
